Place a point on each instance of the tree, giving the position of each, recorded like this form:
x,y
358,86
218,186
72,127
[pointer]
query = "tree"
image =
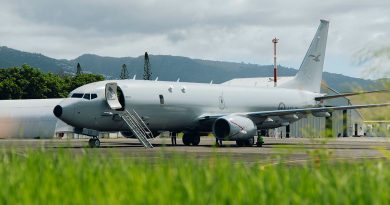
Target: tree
x,y
124,72
34,86
78,71
55,86
10,90
147,68
31,83
82,79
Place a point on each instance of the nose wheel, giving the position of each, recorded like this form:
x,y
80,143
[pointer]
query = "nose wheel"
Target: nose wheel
x,y
94,142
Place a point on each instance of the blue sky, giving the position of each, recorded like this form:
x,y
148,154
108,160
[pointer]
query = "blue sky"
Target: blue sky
x,y
228,30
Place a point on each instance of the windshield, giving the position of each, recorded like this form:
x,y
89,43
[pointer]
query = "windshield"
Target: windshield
x,y
87,96
77,95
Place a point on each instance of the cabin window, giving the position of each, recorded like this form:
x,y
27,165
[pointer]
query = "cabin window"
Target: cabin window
x,y
93,96
77,95
87,96
161,99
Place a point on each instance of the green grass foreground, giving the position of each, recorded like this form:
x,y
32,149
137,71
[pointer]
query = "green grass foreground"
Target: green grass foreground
x,y
47,177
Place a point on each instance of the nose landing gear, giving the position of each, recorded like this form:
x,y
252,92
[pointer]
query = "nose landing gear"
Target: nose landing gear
x,y
94,142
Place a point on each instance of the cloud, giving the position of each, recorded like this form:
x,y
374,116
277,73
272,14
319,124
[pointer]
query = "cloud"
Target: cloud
x,y
232,30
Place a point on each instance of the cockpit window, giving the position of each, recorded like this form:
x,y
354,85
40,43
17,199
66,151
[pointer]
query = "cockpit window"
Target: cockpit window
x,y
87,96
77,95
93,96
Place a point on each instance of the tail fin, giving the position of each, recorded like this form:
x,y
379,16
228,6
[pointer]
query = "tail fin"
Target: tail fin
x,y
309,75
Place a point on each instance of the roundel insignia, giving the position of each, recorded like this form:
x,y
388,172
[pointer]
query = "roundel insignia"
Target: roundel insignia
x,y
281,106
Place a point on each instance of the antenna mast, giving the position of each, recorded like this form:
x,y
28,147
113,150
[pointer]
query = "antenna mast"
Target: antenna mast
x,y
275,41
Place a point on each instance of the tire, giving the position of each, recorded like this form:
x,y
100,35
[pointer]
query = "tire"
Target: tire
x,y
250,142
97,142
195,140
187,139
94,142
240,143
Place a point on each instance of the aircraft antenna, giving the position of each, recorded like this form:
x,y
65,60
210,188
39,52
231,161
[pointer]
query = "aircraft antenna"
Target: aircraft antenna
x,y
275,41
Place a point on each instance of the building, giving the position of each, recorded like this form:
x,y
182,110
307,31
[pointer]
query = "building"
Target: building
x,y
377,128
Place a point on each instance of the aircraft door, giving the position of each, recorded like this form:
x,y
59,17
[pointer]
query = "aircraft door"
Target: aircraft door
x,y
112,96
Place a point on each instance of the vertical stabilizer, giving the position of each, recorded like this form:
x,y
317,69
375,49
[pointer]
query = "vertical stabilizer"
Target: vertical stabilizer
x,y
309,75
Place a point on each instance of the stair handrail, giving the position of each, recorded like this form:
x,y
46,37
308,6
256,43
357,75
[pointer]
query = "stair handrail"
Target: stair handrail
x,y
145,126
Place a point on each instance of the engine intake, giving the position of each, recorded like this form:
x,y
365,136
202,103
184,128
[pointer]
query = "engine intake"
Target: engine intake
x,y
234,127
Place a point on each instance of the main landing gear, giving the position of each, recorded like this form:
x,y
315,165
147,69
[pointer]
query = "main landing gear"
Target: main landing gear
x,y
218,142
94,142
191,138
247,142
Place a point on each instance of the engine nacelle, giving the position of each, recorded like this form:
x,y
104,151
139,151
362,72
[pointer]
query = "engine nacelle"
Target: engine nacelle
x,y
233,127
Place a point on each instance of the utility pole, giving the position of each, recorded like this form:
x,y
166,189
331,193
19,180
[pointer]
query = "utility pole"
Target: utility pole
x,y
124,72
147,68
78,70
275,41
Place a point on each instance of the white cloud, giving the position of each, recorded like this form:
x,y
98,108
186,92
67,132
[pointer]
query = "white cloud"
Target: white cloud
x,y
232,30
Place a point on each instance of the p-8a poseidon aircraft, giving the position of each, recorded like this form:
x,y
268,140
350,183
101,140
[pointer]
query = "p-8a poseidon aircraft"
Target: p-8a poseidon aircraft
x,y
141,108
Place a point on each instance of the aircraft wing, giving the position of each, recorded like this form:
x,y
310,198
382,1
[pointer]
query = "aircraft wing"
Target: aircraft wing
x,y
312,110
297,111
326,97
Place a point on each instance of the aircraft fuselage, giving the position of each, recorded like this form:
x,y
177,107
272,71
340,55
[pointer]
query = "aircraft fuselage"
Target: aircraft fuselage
x,y
177,106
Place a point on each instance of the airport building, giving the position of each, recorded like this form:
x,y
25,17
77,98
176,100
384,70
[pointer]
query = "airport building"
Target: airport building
x,y
377,128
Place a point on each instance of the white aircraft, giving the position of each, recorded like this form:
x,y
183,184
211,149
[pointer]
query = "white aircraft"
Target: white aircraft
x,y
30,119
144,108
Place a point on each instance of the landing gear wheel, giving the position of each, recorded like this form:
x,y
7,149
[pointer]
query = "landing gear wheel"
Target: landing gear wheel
x,y
191,138
240,143
250,142
247,143
94,142
196,140
186,139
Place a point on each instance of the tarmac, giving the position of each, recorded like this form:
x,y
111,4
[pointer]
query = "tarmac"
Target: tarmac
x,y
274,151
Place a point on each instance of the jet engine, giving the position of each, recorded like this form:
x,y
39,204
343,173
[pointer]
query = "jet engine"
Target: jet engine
x,y
233,127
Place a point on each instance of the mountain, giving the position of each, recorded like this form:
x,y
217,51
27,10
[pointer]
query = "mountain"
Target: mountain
x,y
10,58
174,67
169,68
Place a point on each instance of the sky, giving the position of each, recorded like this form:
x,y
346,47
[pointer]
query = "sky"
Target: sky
x,y
222,30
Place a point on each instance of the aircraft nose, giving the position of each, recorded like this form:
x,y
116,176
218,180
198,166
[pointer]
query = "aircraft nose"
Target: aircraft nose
x,y
57,111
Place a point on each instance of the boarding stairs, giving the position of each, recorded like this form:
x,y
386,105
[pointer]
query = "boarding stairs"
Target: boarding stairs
x,y
138,127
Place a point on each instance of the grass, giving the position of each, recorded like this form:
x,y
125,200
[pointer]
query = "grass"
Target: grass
x,y
47,177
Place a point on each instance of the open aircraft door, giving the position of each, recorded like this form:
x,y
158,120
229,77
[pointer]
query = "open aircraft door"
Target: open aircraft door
x,y
112,96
